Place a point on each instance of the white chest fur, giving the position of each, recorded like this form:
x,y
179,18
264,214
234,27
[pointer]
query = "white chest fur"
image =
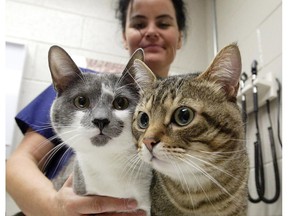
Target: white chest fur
x,y
116,172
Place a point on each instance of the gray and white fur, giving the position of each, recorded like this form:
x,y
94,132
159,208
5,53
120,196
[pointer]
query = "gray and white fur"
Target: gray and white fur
x,y
92,114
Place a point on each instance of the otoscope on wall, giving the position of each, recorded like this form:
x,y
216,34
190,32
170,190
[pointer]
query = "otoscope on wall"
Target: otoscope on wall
x,y
258,158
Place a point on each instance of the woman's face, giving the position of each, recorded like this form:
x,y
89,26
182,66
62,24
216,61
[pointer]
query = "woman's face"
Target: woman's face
x,y
152,25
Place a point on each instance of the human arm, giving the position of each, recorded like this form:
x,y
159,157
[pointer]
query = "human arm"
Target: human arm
x,y
26,183
34,192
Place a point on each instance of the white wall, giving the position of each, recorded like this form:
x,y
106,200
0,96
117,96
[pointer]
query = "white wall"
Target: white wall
x,y
256,26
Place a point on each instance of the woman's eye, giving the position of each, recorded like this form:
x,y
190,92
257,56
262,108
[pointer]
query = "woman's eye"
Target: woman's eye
x,y
163,25
138,24
120,103
143,120
183,116
81,102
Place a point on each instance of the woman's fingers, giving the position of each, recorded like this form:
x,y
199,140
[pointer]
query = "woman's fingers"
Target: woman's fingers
x,y
98,205
102,204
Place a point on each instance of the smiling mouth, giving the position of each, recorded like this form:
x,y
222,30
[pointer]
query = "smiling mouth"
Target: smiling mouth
x,y
152,47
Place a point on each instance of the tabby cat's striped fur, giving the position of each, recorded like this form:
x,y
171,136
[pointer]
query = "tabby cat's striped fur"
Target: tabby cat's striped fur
x,y
189,129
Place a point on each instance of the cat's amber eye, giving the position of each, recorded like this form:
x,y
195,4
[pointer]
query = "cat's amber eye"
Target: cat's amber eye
x,y
81,102
183,116
120,103
143,120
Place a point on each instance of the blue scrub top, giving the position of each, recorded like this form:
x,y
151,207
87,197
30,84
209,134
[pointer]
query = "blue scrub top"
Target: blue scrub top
x,y
36,115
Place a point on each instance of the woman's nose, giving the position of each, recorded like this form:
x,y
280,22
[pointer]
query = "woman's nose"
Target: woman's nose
x,y
152,31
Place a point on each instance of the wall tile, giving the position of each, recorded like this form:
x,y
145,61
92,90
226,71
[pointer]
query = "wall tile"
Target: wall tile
x,y
35,2
246,18
100,9
261,208
41,24
102,36
29,90
271,36
192,56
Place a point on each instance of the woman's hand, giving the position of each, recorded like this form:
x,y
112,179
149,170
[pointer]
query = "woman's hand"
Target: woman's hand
x,y
35,194
70,204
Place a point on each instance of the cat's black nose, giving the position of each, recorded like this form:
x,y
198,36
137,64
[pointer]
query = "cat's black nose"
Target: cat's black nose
x,y
150,143
101,123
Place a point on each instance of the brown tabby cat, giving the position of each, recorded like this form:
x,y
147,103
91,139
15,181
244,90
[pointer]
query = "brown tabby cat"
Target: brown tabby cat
x,y
189,129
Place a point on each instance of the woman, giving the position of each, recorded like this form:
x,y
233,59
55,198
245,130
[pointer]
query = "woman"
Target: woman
x,y
156,26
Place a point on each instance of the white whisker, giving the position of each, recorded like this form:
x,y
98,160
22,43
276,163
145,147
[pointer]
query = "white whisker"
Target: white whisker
x,y
189,162
212,165
200,185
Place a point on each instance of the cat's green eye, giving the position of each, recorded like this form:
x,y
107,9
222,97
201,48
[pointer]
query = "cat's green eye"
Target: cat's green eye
x,y
183,116
120,103
81,102
143,120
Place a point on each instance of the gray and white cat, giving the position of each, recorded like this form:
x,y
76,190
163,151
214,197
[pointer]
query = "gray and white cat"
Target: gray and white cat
x,y
92,114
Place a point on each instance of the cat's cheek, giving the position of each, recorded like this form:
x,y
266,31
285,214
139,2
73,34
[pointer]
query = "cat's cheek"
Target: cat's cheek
x,y
164,167
122,114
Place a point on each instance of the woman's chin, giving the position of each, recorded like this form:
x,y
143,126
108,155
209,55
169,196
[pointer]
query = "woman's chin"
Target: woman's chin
x,y
154,59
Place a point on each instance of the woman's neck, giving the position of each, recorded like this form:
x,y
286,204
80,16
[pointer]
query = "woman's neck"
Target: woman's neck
x,y
160,71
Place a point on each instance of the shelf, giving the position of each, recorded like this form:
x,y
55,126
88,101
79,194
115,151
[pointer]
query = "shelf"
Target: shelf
x,y
266,87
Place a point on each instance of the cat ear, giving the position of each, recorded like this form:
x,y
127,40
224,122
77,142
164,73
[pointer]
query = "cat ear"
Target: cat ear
x,y
143,76
225,69
138,54
62,67
137,71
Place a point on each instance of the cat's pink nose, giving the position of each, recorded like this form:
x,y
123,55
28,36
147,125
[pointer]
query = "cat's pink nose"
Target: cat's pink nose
x,y
150,143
